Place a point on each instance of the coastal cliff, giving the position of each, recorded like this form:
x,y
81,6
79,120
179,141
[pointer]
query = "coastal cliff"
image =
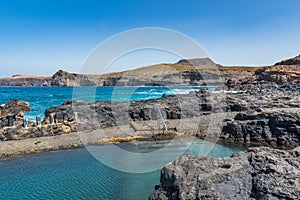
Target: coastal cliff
x,y
20,80
261,173
184,72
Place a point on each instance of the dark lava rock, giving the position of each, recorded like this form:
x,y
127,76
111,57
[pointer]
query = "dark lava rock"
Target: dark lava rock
x,y
14,107
275,128
110,113
261,173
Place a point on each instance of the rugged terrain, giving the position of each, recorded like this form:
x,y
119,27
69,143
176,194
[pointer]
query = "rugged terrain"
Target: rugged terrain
x,y
269,114
261,173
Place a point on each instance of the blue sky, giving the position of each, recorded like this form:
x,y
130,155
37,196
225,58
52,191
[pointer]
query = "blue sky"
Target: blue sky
x,y
40,37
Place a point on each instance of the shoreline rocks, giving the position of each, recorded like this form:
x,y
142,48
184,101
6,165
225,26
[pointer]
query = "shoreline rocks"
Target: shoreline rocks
x,y
261,173
269,117
276,128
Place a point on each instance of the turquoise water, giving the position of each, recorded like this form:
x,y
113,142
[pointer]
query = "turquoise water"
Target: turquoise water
x,y
76,174
41,98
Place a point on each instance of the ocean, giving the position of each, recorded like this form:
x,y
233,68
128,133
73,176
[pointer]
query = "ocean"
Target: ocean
x,y
41,98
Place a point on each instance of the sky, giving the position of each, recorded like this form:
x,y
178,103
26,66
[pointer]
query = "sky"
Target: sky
x,y
40,37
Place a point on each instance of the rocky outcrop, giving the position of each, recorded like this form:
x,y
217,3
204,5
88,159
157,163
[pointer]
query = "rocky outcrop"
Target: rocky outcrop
x,y
277,128
280,74
64,79
291,61
266,115
17,131
261,173
15,108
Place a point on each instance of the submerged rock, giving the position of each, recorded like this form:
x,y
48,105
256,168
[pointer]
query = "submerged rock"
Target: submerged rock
x,y
261,173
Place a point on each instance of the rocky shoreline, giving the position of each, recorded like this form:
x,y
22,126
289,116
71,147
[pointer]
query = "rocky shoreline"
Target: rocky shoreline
x,y
242,117
261,173
269,115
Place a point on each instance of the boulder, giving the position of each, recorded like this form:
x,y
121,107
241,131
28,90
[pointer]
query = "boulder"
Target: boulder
x,y
14,107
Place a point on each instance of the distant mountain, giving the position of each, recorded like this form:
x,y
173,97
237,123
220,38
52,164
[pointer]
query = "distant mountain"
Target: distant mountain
x,y
197,62
196,71
180,73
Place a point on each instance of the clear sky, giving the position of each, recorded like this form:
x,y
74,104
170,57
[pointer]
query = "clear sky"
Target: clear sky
x,y
42,36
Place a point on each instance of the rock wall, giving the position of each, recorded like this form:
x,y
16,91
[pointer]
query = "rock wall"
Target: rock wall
x,y
261,173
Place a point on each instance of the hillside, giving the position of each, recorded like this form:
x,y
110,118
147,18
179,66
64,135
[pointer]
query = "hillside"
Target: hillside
x,y
197,71
286,71
184,72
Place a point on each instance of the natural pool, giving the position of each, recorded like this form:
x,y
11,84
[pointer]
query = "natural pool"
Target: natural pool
x,y
76,174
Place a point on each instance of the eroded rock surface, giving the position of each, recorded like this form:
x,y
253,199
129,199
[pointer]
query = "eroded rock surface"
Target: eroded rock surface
x,y
261,173
278,128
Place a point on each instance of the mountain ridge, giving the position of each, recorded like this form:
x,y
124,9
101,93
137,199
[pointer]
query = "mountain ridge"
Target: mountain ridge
x,y
184,72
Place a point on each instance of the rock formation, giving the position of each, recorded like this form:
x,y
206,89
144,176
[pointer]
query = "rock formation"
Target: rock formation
x,y
17,131
261,173
16,108
277,128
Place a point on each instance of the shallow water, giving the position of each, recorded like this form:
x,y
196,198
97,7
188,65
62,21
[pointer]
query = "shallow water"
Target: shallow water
x,y
76,174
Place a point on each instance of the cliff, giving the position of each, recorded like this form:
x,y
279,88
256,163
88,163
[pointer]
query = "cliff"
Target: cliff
x,y
20,80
